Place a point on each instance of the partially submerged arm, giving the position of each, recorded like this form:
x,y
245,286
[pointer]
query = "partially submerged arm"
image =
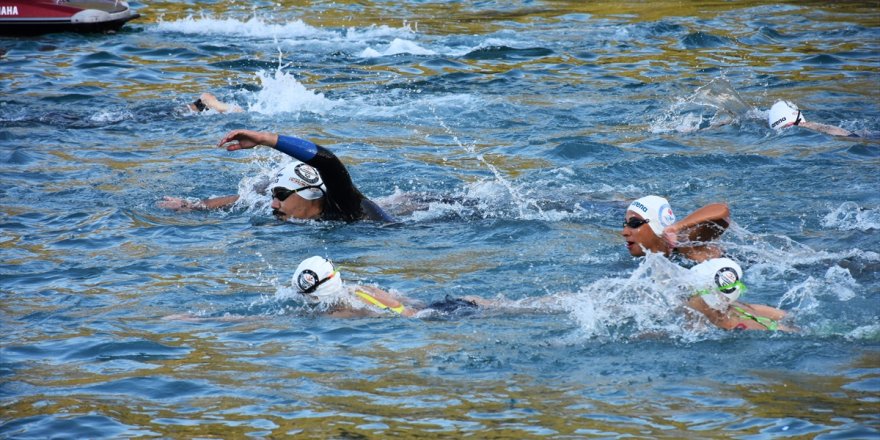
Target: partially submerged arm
x,y
383,300
179,204
825,128
741,316
208,101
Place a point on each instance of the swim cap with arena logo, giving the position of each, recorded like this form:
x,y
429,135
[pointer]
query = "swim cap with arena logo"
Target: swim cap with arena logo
x,y
656,211
718,281
317,276
784,114
297,175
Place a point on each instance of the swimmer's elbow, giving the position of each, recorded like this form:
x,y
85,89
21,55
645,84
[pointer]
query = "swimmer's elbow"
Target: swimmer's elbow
x,y
723,210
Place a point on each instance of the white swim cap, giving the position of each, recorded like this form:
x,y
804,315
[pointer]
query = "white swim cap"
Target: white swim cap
x,y
655,210
784,114
317,276
296,175
718,281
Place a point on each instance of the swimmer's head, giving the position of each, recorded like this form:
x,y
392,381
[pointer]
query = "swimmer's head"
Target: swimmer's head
x,y
643,225
301,178
316,276
655,210
718,282
784,114
297,192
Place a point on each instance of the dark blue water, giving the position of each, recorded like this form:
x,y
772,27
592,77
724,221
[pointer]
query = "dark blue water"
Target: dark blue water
x,y
522,130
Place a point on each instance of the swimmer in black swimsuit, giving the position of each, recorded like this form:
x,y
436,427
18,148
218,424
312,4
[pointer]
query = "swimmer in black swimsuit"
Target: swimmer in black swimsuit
x,y
315,186
321,284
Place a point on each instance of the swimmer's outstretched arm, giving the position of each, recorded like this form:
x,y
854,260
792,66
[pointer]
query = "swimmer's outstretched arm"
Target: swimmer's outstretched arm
x,y
347,198
183,205
208,101
825,128
732,320
387,299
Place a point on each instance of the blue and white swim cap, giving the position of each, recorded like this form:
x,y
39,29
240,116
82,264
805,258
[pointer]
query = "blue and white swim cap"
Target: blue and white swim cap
x,y
718,281
296,175
655,210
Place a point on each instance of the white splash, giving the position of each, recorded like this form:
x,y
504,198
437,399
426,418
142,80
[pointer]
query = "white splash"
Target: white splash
x,y
280,92
255,27
713,105
849,216
397,46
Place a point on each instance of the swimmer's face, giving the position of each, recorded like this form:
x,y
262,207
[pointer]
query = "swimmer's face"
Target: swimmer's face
x,y
292,206
640,238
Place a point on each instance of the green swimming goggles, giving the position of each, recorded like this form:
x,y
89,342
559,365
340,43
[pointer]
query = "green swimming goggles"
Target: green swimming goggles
x,y
727,288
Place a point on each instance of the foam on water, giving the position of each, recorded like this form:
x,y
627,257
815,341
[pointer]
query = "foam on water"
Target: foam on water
x,y
296,32
397,46
849,216
648,302
255,27
280,92
712,105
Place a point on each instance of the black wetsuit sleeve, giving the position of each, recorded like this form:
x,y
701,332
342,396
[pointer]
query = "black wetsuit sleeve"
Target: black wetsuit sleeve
x,y
344,201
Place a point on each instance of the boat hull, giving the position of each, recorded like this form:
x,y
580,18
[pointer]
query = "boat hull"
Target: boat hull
x,y
42,17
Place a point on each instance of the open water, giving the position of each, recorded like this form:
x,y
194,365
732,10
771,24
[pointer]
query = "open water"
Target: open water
x,y
530,124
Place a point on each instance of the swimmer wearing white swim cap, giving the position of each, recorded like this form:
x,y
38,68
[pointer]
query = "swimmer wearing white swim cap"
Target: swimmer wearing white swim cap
x,y
320,282
650,225
784,114
315,186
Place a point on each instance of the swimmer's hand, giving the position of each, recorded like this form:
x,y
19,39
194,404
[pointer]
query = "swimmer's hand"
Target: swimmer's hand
x,y
245,139
670,236
178,204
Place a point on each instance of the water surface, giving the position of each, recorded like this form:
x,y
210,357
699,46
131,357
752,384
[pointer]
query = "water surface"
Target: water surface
x,y
532,124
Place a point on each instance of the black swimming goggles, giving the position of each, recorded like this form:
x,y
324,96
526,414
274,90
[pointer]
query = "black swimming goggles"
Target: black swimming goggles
x,y
199,105
635,222
798,118
281,193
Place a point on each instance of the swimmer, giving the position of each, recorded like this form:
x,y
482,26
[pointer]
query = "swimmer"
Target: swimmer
x,y
784,114
315,186
208,101
650,226
321,285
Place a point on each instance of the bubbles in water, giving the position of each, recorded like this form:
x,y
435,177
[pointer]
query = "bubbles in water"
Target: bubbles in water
x,y
110,117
